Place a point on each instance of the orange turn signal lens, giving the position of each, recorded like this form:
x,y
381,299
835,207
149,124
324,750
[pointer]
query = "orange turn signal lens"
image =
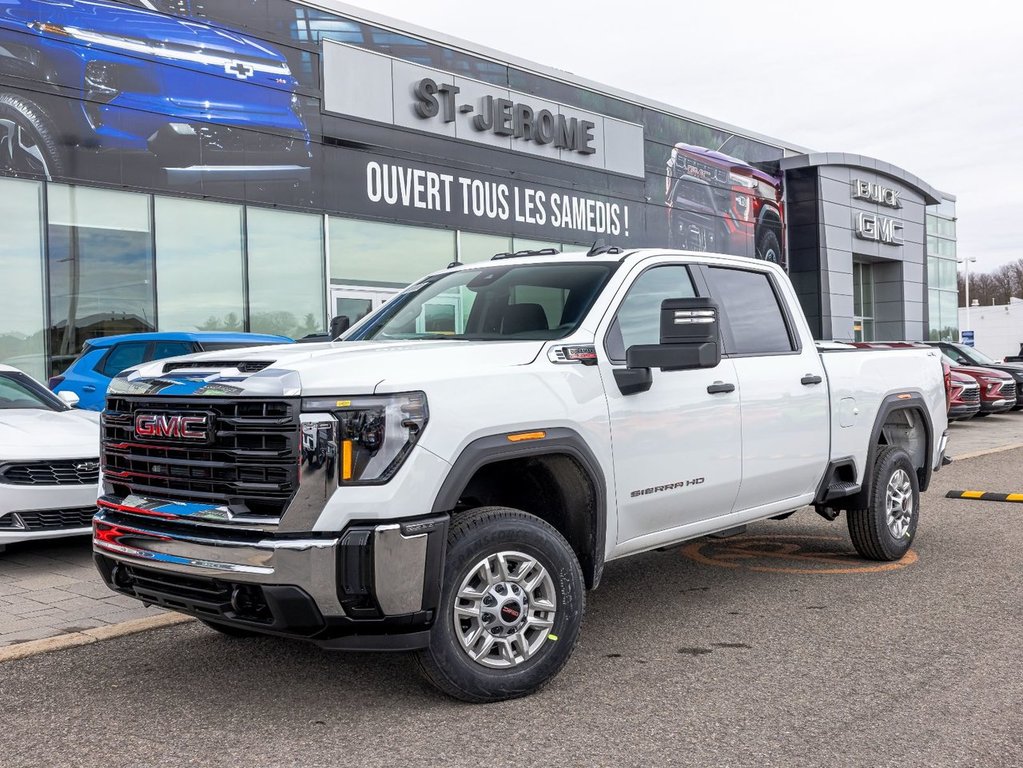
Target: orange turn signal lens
x,y
346,460
523,436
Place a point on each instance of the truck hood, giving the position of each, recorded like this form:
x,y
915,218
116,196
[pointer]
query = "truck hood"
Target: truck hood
x,y
333,368
976,370
731,163
32,433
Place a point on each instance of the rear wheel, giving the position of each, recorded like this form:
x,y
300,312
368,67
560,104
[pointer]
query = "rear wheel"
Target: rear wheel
x,y
885,529
511,607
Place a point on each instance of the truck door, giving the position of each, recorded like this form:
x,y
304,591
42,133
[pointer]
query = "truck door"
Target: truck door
x,y
676,447
782,388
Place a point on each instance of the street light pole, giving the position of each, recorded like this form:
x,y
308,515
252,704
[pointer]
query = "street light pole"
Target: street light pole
x,y
966,263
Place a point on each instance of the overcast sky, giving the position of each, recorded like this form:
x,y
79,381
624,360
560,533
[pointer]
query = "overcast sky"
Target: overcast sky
x,y
932,87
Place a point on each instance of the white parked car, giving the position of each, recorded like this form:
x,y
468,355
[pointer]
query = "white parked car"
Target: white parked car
x,y
49,462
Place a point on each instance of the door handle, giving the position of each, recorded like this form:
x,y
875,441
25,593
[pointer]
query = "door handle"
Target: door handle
x,y
88,388
720,387
810,379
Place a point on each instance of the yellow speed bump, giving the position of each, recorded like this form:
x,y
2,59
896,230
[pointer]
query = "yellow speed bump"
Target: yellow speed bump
x,y
984,496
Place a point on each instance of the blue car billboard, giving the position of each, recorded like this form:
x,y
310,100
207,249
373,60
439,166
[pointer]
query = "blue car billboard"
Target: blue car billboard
x,y
125,94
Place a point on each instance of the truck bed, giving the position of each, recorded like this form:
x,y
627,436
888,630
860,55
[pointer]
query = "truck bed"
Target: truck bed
x,y
860,380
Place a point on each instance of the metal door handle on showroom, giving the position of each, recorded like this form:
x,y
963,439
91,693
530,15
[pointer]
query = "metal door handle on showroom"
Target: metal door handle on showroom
x,y
719,387
810,379
88,388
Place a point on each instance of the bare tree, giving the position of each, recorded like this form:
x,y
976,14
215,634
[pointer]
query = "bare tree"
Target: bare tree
x,y
995,287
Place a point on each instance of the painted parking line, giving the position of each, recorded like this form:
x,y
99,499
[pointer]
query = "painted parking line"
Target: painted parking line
x,y
985,496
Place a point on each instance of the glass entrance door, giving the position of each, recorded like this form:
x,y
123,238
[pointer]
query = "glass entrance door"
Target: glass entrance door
x,y
356,302
863,301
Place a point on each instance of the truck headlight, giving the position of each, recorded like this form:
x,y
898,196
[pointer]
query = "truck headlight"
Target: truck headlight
x,y
375,433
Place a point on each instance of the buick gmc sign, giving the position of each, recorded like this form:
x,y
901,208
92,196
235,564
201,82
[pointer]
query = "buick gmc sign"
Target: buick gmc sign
x,y
371,86
874,226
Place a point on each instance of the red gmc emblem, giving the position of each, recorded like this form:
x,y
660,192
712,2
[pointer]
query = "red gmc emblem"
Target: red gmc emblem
x,y
173,426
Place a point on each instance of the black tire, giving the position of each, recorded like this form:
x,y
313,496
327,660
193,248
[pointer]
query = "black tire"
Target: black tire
x,y
769,247
474,536
869,528
28,139
229,630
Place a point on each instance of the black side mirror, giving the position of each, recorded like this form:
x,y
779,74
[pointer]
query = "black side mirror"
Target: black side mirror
x,y
689,339
339,325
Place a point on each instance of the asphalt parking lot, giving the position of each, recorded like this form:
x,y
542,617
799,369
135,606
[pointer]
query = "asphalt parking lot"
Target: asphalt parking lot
x,y
774,648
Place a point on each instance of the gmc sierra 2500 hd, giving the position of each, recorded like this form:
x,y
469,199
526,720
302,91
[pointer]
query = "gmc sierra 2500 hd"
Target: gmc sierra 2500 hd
x,y
454,487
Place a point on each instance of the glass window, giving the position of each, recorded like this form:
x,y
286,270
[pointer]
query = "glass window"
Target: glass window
x,y
100,265
949,315
286,291
933,315
162,349
946,275
752,322
22,339
19,391
493,303
377,253
475,247
638,320
123,356
199,265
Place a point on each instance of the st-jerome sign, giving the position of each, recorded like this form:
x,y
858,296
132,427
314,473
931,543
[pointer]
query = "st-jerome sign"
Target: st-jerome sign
x,y
505,117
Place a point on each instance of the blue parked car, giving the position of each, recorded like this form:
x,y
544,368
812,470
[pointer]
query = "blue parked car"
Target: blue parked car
x,y
104,358
172,95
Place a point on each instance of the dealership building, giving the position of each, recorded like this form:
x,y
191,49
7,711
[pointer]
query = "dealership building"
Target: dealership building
x,y
265,165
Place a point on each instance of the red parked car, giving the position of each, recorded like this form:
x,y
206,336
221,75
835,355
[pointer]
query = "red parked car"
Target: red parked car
x,y
997,389
964,399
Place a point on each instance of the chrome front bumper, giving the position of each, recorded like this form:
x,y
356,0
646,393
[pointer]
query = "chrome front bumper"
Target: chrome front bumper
x,y
371,573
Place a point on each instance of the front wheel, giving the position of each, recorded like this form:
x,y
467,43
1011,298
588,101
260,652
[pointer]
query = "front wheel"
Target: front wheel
x,y
511,607
28,139
884,530
769,248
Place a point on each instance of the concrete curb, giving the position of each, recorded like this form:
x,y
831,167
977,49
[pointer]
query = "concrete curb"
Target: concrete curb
x,y
986,452
88,636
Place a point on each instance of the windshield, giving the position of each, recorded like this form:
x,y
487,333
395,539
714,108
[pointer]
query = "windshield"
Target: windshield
x,y
976,356
19,391
502,302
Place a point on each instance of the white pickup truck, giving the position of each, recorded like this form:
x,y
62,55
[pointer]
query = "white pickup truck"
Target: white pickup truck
x,y
453,474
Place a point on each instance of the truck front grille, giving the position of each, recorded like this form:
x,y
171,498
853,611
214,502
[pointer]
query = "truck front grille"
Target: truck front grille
x,y
1009,390
250,462
68,472
970,395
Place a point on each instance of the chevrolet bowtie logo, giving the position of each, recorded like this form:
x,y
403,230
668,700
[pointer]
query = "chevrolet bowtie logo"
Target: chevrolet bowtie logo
x,y
239,69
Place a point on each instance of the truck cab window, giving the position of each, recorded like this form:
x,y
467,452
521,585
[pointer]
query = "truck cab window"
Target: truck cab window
x,y
638,320
752,319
